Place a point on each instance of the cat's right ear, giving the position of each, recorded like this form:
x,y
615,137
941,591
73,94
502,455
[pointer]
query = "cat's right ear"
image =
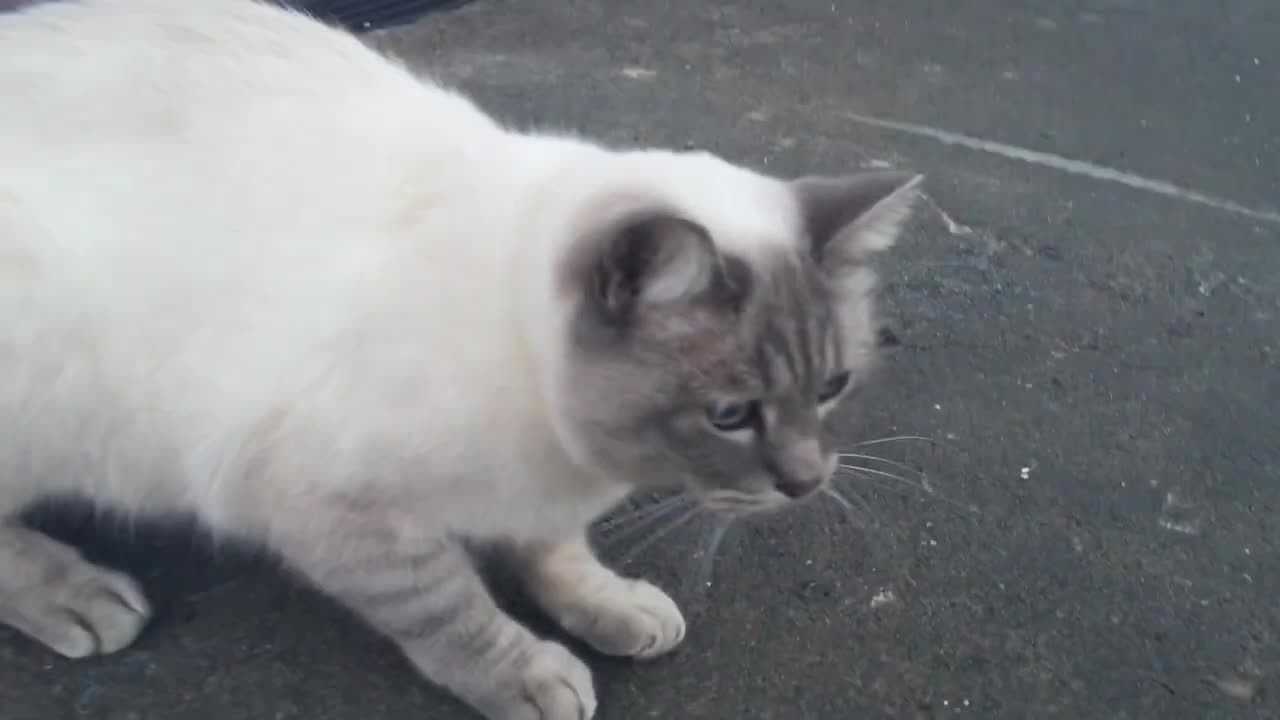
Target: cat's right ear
x,y
643,259
852,217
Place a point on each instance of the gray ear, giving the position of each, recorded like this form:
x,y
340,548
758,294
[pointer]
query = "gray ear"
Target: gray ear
x,y
851,217
642,259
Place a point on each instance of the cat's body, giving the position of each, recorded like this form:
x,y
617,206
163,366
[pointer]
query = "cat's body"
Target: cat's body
x,y
253,271
192,332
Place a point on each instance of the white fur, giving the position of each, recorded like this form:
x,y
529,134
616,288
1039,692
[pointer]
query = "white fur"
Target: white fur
x,y
246,262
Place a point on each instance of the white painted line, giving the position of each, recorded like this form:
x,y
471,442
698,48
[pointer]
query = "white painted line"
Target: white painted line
x,y
953,227
1067,165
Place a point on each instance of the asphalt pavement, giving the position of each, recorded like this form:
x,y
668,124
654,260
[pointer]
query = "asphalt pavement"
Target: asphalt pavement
x,y
1088,310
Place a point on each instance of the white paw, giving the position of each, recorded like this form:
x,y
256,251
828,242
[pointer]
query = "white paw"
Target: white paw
x,y
626,618
81,611
552,684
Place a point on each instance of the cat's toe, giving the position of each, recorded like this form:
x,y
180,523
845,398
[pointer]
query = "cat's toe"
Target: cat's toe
x,y
113,609
90,611
553,685
560,685
631,618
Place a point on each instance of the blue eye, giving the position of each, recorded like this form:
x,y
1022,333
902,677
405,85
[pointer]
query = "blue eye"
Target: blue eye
x,y
727,417
833,387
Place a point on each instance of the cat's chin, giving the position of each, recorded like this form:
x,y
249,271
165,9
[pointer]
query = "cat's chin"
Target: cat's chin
x,y
734,504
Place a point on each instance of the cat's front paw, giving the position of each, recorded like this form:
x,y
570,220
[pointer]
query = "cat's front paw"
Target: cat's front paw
x,y
626,618
75,608
550,684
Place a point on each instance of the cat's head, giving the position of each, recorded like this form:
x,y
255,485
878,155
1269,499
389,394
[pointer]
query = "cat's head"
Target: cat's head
x,y
712,324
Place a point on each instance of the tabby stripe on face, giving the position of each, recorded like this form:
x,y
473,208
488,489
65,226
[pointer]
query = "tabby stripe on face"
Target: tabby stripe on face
x,y
818,313
824,348
799,335
778,366
815,319
830,343
764,365
794,344
835,334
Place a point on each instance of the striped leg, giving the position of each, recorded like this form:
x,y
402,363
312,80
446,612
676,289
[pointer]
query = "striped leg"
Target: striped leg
x,y
429,599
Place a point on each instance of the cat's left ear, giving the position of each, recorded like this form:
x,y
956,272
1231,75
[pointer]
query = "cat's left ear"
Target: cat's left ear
x,y
851,217
643,258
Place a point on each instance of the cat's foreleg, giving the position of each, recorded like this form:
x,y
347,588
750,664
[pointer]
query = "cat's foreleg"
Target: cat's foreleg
x,y
615,615
429,599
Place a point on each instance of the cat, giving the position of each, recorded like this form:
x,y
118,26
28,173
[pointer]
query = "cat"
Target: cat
x,y
253,270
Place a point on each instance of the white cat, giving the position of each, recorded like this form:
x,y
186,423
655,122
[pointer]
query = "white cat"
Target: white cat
x,y
254,271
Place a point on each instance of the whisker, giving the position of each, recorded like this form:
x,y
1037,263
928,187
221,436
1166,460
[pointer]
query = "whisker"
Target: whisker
x,y
895,488
711,546
636,507
732,503
919,486
886,461
862,474
899,438
875,483
839,519
732,507
660,533
856,512
840,499
629,524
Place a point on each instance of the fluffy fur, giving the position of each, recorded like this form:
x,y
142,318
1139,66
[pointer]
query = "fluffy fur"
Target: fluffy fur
x,y
254,271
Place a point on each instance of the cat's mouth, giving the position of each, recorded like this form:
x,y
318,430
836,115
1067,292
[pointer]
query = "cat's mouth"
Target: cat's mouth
x,y
779,493
735,503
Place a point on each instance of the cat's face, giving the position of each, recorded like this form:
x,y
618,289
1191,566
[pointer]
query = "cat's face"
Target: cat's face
x,y
696,360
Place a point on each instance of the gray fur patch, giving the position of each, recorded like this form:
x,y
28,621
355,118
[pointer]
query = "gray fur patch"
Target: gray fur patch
x,y
641,399
771,331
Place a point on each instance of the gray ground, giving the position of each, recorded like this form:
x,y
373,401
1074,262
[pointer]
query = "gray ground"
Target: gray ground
x,y
1120,345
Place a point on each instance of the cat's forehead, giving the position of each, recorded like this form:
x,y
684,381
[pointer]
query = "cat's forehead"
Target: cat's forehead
x,y
746,213
796,328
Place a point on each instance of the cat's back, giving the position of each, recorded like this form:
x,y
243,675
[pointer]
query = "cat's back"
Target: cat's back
x,y
215,214
123,112
156,68
199,201
210,146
